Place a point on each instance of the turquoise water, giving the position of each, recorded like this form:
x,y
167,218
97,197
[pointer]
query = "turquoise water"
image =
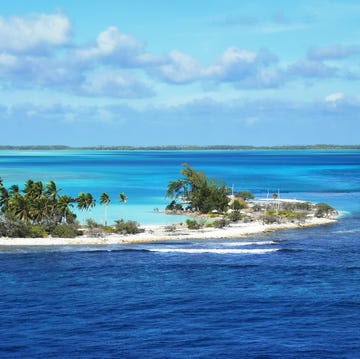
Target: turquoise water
x,y
143,175
287,294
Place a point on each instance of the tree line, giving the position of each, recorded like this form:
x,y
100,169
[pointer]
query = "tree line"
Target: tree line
x,y
41,206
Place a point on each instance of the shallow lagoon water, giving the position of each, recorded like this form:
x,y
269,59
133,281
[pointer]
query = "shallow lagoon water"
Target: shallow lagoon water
x,y
287,294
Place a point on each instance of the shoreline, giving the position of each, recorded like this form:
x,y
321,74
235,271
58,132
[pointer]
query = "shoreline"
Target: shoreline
x,y
156,233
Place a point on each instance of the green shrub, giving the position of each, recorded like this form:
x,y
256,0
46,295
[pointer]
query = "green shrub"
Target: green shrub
x,y
108,229
220,223
269,217
235,216
129,227
239,204
64,231
288,214
304,206
35,231
194,224
323,210
13,228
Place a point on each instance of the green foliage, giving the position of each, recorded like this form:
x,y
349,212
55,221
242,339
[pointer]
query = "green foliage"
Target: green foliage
x,y
64,231
296,206
13,228
36,203
235,216
270,217
201,193
173,206
37,209
129,227
288,214
323,210
194,224
108,229
220,223
244,195
238,205
36,231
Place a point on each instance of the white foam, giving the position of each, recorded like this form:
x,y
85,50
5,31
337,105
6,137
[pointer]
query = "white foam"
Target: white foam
x,y
236,244
348,231
212,250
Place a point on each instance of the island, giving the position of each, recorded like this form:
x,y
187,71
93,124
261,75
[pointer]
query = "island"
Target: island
x,y
38,214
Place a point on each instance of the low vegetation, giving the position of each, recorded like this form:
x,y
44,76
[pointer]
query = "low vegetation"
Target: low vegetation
x,y
195,193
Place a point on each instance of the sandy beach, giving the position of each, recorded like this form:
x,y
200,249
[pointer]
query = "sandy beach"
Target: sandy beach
x,y
154,233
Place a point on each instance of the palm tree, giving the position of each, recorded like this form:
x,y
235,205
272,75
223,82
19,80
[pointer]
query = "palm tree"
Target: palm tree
x,y
38,209
19,207
62,206
28,187
105,199
51,190
4,198
81,204
122,198
84,202
14,189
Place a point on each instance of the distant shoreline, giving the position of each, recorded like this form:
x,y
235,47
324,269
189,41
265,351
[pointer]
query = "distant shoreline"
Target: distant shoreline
x,y
181,148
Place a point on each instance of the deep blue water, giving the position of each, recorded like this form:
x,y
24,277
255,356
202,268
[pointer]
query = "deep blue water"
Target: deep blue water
x,y
289,294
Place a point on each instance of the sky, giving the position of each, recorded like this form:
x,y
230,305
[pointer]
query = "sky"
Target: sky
x,y
214,72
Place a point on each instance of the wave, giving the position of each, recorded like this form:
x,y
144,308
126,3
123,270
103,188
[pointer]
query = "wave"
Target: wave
x,y
356,230
235,244
212,250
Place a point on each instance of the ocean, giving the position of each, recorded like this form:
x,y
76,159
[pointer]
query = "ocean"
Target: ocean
x,y
286,294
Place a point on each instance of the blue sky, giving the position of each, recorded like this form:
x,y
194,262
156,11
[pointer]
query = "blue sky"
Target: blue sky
x,y
186,72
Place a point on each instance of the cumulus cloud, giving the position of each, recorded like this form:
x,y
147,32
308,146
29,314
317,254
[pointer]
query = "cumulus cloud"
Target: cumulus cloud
x,y
237,66
120,49
179,69
113,83
244,68
333,52
118,65
36,32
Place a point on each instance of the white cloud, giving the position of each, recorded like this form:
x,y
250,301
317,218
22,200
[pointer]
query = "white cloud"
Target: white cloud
x,y
109,43
181,68
114,84
22,34
120,49
244,68
334,97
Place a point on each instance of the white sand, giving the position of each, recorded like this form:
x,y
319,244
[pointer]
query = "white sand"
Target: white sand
x,y
159,233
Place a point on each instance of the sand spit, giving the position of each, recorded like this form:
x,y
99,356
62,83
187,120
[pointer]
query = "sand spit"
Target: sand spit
x,y
156,233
